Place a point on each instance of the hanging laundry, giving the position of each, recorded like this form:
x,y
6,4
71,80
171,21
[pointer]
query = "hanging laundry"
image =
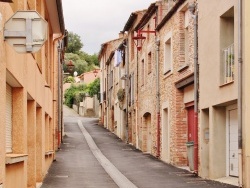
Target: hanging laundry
x,y
118,58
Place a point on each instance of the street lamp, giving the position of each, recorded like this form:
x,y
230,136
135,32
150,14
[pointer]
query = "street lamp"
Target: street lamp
x,y
70,66
95,72
139,40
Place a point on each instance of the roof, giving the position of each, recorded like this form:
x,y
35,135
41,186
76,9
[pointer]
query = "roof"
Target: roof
x,y
146,17
103,47
133,16
55,12
130,22
170,14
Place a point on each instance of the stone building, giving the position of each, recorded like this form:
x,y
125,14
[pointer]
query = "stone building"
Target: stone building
x,y
183,88
131,78
30,99
110,84
176,83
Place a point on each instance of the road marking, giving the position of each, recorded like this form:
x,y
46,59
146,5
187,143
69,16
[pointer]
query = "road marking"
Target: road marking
x,y
121,180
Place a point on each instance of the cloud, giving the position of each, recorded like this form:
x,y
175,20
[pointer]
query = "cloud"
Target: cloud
x,y
98,21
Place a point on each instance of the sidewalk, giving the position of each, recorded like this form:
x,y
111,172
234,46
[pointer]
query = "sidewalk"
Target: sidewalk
x,y
77,167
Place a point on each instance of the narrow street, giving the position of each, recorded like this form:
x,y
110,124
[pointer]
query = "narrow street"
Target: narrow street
x,y
91,156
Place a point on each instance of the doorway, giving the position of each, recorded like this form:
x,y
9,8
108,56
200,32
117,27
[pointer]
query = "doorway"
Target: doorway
x,y
147,137
233,142
165,136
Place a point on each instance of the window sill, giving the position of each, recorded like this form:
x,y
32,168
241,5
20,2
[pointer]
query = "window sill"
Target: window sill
x,y
226,84
167,71
48,153
166,75
184,67
15,158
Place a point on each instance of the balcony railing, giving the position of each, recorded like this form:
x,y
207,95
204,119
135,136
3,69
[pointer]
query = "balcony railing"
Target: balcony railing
x,y
228,60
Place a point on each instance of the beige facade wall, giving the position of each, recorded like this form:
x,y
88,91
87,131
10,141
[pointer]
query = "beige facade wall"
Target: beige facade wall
x,y
110,84
246,90
218,88
33,81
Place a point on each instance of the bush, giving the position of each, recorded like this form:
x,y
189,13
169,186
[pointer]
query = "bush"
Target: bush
x,y
75,92
69,79
78,92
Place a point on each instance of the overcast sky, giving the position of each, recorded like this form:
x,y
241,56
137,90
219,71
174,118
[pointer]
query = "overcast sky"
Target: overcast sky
x,y
98,21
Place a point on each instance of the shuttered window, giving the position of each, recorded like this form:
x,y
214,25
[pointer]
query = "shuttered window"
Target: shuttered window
x,y
8,119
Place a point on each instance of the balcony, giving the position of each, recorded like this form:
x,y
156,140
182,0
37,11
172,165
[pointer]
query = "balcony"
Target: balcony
x,y
228,62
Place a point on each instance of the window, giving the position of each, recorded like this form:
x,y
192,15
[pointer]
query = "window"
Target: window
x,y
8,119
111,79
149,62
167,55
186,42
132,47
148,34
227,46
142,72
132,88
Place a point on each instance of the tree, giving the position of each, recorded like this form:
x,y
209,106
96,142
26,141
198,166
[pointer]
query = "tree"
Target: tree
x,y
94,87
69,79
74,43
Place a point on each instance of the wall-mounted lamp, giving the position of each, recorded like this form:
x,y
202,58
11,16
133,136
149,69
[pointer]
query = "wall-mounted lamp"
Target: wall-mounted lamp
x,y
139,40
70,66
95,72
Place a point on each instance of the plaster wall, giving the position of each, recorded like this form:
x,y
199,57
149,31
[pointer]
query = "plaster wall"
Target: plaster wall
x,y
214,94
210,53
246,91
32,98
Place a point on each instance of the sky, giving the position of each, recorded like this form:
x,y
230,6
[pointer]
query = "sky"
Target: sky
x,y
99,21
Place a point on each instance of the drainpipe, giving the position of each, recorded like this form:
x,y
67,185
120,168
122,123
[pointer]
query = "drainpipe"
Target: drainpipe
x,y
137,103
194,12
157,42
127,90
196,74
240,62
59,108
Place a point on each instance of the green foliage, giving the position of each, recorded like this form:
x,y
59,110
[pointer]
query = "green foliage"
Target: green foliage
x,y
121,94
83,62
78,92
74,43
69,79
75,92
90,59
94,87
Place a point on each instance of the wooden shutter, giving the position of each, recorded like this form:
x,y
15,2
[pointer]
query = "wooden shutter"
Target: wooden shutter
x,y
8,119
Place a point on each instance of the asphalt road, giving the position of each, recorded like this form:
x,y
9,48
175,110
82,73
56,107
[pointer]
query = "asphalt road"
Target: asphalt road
x,y
93,157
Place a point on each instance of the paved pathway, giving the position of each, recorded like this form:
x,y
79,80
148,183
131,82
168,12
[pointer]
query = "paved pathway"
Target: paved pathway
x,y
92,157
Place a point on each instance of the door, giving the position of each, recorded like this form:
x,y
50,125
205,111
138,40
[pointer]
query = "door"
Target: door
x,y
233,143
149,137
192,136
165,136
190,111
